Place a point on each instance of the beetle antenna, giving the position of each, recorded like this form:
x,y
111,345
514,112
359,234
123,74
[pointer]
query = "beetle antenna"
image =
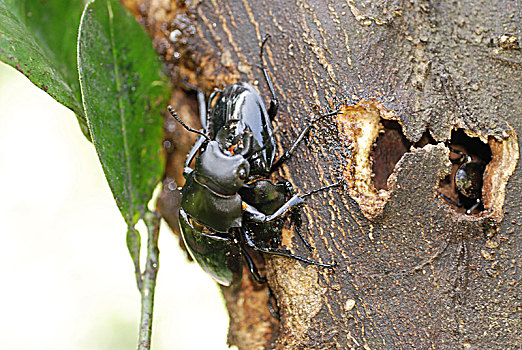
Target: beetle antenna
x,y
188,128
335,184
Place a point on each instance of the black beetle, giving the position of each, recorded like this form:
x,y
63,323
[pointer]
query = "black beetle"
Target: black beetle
x,y
228,204
467,180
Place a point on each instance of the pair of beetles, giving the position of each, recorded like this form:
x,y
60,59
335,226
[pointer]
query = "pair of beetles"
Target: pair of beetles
x,y
229,206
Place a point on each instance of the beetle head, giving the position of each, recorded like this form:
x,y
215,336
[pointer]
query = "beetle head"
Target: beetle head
x,y
235,136
222,173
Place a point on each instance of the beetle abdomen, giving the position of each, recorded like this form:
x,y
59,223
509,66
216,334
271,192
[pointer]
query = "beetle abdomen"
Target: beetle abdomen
x,y
220,258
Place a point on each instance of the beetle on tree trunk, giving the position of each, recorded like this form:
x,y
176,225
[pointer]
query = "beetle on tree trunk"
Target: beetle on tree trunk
x,y
228,204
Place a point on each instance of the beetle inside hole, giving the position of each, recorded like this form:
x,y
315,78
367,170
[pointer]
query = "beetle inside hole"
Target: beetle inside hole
x,y
229,207
463,187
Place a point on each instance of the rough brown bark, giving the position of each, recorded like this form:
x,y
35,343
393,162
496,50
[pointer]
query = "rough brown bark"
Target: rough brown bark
x,y
413,271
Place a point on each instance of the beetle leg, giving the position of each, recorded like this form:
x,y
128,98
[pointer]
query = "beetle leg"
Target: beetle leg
x,y
252,267
298,222
280,252
449,200
473,207
211,98
211,236
202,110
190,156
300,138
272,110
296,215
273,311
201,103
274,103
256,216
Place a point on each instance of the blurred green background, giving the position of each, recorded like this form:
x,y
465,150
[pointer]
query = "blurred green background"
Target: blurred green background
x,y
68,280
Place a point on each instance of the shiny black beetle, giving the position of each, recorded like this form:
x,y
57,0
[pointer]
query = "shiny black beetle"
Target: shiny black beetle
x,y
467,179
228,204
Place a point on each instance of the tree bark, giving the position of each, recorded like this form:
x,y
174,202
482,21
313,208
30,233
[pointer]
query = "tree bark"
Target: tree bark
x,y
413,270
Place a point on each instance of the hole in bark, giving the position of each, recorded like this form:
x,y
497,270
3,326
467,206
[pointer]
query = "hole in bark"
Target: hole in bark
x,y
388,149
499,156
390,146
462,188
374,142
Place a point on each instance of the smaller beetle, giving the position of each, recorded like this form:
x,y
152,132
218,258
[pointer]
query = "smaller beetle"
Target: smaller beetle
x,y
467,180
228,204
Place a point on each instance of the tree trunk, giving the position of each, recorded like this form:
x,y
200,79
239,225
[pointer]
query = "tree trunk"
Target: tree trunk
x,y
409,78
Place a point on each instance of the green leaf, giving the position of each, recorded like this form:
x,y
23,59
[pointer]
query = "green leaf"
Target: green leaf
x,y
38,37
55,24
124,93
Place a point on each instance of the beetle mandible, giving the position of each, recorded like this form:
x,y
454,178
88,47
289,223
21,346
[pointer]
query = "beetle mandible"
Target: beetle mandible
x,y
228,203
